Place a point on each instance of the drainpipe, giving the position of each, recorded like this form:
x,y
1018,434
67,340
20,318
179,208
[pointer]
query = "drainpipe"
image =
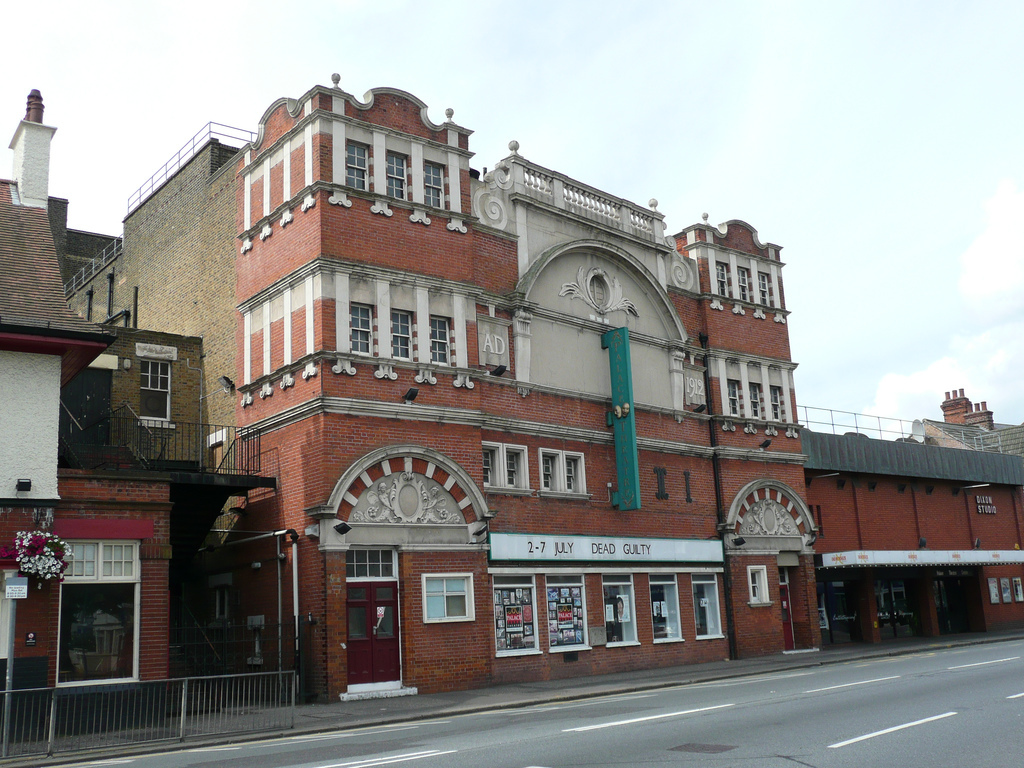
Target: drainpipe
x,y
719,505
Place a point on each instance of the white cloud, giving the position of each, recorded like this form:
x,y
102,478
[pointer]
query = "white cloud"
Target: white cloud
x,y
992,280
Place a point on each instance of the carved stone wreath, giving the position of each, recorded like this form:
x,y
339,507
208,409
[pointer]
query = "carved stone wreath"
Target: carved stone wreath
x,y
768,518
599,291
407,497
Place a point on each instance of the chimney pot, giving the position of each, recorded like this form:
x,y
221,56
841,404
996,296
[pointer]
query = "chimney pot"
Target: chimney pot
x,y
34,107
961,393
947,395
984,405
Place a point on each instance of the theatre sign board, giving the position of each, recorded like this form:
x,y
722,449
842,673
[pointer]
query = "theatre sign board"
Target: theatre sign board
x,y
922,557
528,546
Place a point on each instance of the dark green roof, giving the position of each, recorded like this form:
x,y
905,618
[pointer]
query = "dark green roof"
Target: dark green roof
x,y
865,455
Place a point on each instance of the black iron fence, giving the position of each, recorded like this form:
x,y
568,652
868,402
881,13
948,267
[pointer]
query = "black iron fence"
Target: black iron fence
x,y
124,440
45,721
220,649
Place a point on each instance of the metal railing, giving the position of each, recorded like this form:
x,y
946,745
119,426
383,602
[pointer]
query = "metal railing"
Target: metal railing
x,y
124,440
86,273
845,422
223,648
186,153
45,721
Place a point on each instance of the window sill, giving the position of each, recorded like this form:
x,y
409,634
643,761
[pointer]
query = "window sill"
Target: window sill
x,y
449,620
710,637
508,490
569,648
659,641
513,654
584,496
769,604
623,644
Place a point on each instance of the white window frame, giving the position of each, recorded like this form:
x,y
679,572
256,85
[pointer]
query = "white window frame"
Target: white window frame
x,y
757,585
619,581
378,561
756,400
743,282
444,578
732,388
354,172
396,336
569,581
433,189
356,331
669,607
499,471
707,580
146,375
559,482
440,348
511,584
722,278
776,399
764,288
98,577
397,175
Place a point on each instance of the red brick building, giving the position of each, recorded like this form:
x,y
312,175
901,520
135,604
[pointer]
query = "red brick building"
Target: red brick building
x,y
522,433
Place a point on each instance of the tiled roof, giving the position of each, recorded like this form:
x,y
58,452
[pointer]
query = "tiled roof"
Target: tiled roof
x,y
31,294
1005,438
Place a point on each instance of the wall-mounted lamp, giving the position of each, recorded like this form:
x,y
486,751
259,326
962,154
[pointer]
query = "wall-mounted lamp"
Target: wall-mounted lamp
x,y
23,485
500,370
409,396
342,528
922,543
977,543
256,565
701,408
226,383
764,446
739,541
127,363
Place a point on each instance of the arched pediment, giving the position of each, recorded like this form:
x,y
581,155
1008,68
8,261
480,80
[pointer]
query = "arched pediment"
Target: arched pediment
x,y
768,514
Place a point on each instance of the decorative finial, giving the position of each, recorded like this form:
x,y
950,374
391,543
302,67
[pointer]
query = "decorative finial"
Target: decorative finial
x,y
653,203
449,113
514,146
336,78
705,217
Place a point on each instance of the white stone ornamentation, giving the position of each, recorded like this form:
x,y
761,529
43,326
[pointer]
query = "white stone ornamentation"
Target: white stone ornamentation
x,y
309,371
340,198
246,245
419,217
246,399
382,207
407,497
749,428
425,376
308,202
728,426
456,225
599,291
287,381
738,310
385,371
344,366
767,518
287,218
780,318
522,391
716,304
771,431
267,390
684,273
463,380
759,313
266,232
792,432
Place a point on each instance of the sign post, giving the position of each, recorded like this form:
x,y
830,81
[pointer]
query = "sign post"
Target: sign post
x,y
15,588
622,419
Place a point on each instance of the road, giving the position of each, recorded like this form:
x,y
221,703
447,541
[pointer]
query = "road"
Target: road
x,y
953,707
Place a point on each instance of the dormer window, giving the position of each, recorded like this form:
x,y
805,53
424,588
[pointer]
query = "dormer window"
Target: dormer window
x,y
433,185
355,166
743,280
722,274
764,289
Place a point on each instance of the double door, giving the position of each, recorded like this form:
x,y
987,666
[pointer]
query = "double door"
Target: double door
x,y
373,633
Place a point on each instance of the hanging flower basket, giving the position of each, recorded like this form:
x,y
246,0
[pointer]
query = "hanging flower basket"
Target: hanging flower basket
x,y
37,554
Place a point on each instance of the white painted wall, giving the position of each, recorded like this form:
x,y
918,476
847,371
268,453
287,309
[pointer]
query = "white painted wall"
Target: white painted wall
x,y
29,415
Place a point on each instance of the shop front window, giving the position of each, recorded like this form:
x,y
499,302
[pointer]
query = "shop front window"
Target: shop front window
x,y
566,613
665,608
515,611
705,606
619,613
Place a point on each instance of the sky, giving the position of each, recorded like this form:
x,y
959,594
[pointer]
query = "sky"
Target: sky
x,y
878,143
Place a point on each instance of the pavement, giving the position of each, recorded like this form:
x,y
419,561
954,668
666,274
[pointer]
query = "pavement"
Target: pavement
x,y
349,715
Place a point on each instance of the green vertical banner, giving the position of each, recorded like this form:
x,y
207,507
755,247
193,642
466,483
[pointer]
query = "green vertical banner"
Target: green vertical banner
x,y
622,419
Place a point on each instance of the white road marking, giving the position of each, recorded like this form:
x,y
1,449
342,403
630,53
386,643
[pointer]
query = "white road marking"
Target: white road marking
x,y
589,703
848,685
390,760
743,681
124,761
1016,696
213,749
347,734
895,728
645,719
983,663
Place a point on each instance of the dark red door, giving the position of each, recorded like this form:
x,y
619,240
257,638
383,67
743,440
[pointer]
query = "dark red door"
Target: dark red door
x,y
787,618
373,650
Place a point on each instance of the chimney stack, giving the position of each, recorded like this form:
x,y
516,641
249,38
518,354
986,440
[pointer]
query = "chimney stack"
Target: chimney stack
x,y
980,417
956,408
31,145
